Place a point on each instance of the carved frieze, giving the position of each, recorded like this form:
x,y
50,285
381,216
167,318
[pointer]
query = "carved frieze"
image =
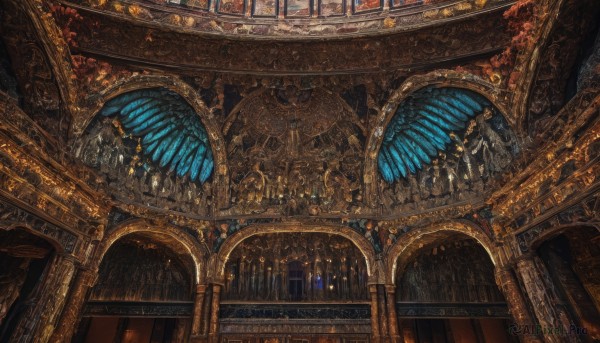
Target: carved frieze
x,y
194,54
407,310
138,309
298,311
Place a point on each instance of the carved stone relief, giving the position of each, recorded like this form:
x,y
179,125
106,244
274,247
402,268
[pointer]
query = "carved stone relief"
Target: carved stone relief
x,y
306,161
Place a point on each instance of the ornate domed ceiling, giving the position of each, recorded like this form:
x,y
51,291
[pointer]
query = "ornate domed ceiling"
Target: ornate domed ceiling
x,y
285,19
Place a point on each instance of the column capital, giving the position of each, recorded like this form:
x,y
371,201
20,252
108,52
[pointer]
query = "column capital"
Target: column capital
x,y
524,258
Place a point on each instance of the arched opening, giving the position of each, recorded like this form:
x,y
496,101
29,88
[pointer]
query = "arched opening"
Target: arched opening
x,y
24,264
572,260
280,284
446,292
143,293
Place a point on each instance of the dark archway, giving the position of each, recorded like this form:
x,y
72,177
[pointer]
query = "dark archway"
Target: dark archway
x,y
447,291
143,292
24,259
572,260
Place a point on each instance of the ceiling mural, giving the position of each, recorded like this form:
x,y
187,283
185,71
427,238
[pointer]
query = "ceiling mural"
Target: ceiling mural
x,y
442,146
422,128
152,146
168,129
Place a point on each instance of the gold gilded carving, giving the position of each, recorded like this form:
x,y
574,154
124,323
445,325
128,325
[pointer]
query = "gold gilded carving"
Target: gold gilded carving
x,y
543,186
304,161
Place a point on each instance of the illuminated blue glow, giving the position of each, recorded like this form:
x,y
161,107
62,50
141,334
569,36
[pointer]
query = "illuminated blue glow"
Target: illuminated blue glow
x,y
421,127
171,132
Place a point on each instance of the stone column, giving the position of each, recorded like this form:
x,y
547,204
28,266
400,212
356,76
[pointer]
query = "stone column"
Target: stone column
x,y
213,335
545,306
391,309
39,319
198,302
71,315
374,314
383,319
508,284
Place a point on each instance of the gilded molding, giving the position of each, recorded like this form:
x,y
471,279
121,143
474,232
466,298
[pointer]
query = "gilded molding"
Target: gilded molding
x,y
564,167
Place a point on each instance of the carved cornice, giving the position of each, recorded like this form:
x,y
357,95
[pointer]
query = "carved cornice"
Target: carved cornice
x,y
584,211
189,53
42,182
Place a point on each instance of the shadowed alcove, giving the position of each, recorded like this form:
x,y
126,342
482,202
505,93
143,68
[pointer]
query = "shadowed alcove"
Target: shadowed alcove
x,y
143,292
280,284
447,292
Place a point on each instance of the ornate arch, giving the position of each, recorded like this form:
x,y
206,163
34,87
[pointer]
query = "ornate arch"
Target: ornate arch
x,y
530,60
232,241
141,226
56,49
446,78
413,241
174,84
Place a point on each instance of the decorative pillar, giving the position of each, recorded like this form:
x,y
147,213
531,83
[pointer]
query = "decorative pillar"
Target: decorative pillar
x,y
374,314
198,302
509,286
383,320
547,311
71,315
580,302
39,318
213,335
391,309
